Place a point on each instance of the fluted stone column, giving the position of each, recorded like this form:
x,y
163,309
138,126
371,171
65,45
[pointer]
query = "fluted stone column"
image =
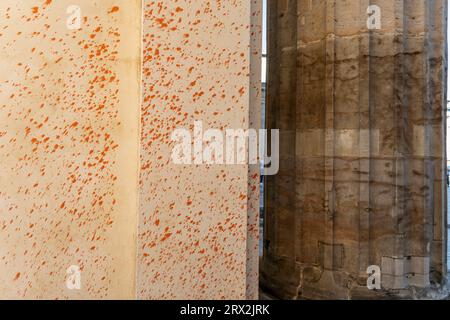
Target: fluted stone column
x,y
362,170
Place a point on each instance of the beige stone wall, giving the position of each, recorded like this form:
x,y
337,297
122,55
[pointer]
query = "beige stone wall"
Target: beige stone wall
x,y
361,117
193,222
68,145
77,111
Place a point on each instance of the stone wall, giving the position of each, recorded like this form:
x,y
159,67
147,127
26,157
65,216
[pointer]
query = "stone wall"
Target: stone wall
x,y
198,224
362,178
87,185
69,142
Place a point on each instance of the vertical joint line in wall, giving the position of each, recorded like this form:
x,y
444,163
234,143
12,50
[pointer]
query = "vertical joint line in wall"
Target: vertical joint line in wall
x,y
295,129
329,92
405,106
401,104
141,5
405,122
364,175
428,209
333,86
371,106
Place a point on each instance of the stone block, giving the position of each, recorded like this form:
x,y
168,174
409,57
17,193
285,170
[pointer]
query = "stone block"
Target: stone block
x,y
419,265
390,282
393,266
419,280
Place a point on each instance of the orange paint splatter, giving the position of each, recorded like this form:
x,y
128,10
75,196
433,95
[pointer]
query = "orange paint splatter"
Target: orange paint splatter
x,y
114,9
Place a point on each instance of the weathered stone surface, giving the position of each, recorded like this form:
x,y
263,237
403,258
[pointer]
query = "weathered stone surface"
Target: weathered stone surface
x,y
362,146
